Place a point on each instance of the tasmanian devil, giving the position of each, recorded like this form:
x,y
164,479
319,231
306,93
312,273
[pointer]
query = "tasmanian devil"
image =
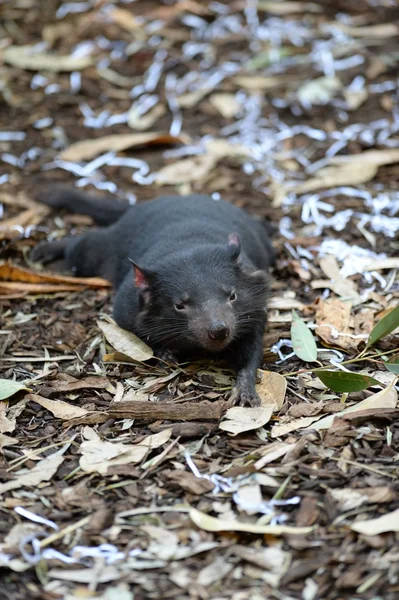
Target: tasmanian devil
x,y
199,285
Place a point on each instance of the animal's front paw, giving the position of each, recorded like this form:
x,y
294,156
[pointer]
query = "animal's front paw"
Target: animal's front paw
x,y
47,252
245,397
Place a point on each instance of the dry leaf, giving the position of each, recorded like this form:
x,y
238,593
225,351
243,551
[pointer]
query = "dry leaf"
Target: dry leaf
x,y
61,410
271,453
215,571
377,158
124,19
388,522
288,7
284,428
186,170
387,398
380,30
30,216
18,278
259,82
25,57
42,471
332,319
380,265
98,456
204,521
143,122
239,419
318,91
350,498
6,440
70,384
345,288
87,149
125,341
271,389
226,104
346,174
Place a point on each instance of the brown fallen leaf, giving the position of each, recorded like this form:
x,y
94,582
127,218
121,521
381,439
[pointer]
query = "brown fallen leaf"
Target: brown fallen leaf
x,y
332,176
226,104
61,410
98,455
259,82
124,19
87,149
125,341
271,389
190,483
25,57
378,158
208,523
41,471
380,30
388,522
30,216
10,273
345,288
288,7
333,319
350,498
70,384
239,418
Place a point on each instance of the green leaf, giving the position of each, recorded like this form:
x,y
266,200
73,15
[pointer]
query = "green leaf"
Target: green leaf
x,y
9,388
393,364
303,342
384,327
341,381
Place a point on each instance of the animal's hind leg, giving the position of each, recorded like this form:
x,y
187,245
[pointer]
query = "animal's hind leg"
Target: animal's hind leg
x,y
48,252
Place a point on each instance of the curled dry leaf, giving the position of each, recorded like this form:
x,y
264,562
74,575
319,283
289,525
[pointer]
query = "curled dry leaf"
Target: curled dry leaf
x,y
226,104
386,398
350,498
204,521
16,278
61,410
271,389
239,419
98,456
388,522
88,149
25,57
125,341
41,471
333,323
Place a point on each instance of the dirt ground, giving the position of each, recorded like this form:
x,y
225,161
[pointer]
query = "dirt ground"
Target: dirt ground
x,y
120,478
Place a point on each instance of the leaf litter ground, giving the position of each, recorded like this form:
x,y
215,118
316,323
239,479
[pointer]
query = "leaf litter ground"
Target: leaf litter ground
x,y
129,479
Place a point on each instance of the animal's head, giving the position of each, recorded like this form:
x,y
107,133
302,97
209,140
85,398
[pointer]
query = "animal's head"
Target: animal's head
x,y
204,298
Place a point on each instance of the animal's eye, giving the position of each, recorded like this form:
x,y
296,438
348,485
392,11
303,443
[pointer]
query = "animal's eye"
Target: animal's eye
x,y
180,306
233,297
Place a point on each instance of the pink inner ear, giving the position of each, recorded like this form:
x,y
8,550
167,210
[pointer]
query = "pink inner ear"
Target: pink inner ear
x,y
234,240
140,279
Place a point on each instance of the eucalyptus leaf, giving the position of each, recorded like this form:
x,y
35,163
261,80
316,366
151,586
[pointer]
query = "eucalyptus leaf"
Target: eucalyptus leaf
x,y
344,382
303,342
384,327
393,364
9,388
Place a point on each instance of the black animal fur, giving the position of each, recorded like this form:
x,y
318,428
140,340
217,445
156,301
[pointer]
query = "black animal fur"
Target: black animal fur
x,y
200,281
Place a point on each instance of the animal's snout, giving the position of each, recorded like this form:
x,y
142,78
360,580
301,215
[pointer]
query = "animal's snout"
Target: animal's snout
x,y
218,332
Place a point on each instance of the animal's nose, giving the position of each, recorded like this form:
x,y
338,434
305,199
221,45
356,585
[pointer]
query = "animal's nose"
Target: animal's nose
x,y
218,332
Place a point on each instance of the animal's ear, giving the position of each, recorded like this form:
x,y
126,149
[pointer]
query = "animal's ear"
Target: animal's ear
x,y
234,245
142,277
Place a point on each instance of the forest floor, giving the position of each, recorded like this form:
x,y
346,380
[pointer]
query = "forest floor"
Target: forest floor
x,y
122,479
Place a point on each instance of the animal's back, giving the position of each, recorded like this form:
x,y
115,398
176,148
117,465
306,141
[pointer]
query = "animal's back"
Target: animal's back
x,y
154,230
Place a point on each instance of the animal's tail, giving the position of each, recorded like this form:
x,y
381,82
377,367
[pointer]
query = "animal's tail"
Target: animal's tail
x,y
104,211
